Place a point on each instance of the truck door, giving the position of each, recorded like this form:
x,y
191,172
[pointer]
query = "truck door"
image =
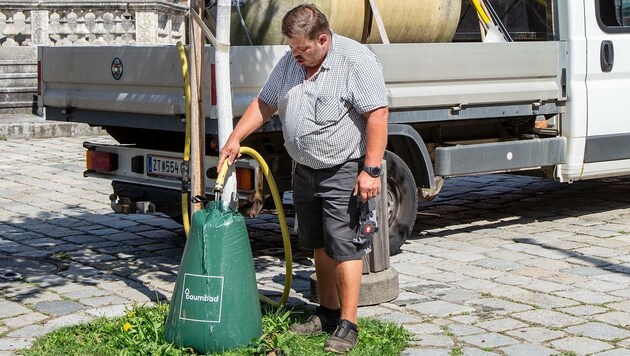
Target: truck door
x,y
608,85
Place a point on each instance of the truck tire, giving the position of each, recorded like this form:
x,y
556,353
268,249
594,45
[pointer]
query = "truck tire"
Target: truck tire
x,y
402,201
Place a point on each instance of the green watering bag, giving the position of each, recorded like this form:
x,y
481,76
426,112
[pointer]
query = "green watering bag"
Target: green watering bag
x,y
215,303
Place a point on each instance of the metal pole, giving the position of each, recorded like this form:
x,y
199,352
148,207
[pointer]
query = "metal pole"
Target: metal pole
x,y
224,90
197,117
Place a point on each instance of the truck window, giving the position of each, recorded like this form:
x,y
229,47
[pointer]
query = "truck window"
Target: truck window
x,y
613,15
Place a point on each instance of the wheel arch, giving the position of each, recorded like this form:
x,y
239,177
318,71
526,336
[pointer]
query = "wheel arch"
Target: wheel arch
x,y
407,143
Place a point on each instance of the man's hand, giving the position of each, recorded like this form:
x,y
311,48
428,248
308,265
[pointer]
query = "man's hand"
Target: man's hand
x,y
230,151
367,187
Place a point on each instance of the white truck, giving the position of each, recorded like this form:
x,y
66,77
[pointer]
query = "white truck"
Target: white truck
x,y
548,103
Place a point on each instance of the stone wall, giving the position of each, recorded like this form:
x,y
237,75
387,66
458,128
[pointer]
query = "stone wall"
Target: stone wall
x,y
25,25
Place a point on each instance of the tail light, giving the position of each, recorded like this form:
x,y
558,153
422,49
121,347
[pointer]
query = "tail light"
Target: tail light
x,y
213,85
98,161
244,178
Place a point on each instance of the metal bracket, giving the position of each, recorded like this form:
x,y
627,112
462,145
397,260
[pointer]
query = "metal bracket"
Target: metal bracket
x,y
456,109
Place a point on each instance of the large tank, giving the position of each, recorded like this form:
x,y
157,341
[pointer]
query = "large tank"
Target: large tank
x,y
406,21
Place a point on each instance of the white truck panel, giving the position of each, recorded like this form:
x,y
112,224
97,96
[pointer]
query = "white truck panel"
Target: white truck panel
x,y
417,76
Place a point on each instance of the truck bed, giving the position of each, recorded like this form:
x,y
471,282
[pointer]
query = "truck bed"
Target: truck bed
x,y
426,82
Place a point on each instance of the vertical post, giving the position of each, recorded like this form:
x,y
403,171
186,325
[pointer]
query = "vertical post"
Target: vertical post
x,y
378,259
379,283
197,117
224,90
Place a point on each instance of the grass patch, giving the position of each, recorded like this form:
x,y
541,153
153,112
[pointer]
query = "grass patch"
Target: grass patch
x,y
62,256
140,332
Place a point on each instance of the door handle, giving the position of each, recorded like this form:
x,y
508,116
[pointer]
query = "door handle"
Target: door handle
x,y
607,56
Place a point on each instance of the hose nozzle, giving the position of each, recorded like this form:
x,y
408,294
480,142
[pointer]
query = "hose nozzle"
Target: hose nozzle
x,y
220,181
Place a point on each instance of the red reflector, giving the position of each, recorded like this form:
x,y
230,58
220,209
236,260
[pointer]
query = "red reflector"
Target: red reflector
x,y
101,161
244,178
213,85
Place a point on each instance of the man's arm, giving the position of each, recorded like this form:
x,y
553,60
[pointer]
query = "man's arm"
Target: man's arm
x,y
376,136
256,114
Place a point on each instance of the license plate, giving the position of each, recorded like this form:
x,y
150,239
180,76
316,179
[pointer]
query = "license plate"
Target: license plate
x,y
164,167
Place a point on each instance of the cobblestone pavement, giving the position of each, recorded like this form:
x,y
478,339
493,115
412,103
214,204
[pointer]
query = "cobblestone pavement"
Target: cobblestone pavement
x,y
497,265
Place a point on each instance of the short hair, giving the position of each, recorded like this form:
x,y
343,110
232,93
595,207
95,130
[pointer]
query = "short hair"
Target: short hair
x,y
305,20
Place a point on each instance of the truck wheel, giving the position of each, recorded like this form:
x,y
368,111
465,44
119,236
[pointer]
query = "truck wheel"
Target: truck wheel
x,y
402,201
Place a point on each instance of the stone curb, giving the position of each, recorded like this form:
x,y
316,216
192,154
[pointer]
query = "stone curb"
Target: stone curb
x,y
34,130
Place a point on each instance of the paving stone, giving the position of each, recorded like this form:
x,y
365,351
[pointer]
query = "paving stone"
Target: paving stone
x,y
14,343
580,345
440,308
466,319
476,352
621,306
498,305
536,334
401,318
548,318
527,349
501,325
616,352
373,311
424,288
411,351
433,341
105,300
48,280
35,298
90,291
489,340
464,329
405,298
584,310
498,264
29,331
599,331
457,296
109,311
68,320
614,318
423,329
11,309
588,296
600,286
542,300
60,307
585,271
24,319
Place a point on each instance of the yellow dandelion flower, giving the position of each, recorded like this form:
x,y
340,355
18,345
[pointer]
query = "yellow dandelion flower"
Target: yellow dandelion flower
x,y
127,326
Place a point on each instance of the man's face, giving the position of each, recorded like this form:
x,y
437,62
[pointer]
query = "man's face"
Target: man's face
x,y
309,53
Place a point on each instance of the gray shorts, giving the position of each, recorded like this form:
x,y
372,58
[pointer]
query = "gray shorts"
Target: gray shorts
x,y
327,211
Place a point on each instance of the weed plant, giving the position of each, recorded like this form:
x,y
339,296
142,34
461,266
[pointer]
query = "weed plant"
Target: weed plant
x,y
140,332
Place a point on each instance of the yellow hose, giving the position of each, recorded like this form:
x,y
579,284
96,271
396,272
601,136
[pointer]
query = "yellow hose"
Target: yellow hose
x,y
481,12
221,180
288,256
186,74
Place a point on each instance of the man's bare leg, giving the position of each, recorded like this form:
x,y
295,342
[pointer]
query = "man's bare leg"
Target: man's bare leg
x,y
326,277
338,284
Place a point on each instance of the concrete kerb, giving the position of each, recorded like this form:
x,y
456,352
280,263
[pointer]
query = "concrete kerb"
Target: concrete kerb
x,y
29,126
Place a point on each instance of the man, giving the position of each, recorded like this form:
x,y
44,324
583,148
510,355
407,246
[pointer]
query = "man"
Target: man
x,y
331,98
